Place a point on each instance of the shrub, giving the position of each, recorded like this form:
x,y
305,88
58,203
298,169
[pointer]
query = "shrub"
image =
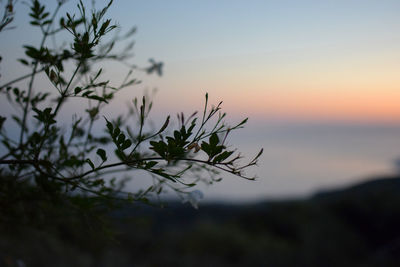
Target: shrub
x,y
76,161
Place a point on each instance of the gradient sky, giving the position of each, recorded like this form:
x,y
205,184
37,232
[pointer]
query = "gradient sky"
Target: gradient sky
x,y
318,60
290,59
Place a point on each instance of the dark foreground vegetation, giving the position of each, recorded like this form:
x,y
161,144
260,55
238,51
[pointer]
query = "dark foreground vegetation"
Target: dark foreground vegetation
x,y
356,226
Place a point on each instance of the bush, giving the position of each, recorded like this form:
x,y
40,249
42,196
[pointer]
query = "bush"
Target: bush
x,y
70,162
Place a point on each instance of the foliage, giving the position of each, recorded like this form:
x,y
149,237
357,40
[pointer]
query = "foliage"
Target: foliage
x,y
75,161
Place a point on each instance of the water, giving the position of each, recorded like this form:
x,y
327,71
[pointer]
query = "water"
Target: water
x,y
302,158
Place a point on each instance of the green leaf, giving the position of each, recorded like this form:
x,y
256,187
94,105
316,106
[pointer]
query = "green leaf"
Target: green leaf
x,y
110,127
159,147
102,154
98,98
77,90
116,132
243,122
23,61
98,182
161,173
150,164
206,147
214,140
98,74
127,143
2,120
88,161
121,138
223,156
87,93
44,116
120,154
164,125
177,135
32,52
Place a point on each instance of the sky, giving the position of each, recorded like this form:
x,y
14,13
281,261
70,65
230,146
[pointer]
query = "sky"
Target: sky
x,y
297,60
323,60
320,81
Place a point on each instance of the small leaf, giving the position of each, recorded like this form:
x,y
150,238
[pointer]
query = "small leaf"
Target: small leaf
x,y
90,163
116,132
121,155
98,98
98,74
150,164
243,122
110,127
161,173
260,153
214,140
121,138
87,93
77,90
98,182
23,61
206,147
127,143
53,77
164,126
16,119
223,156
102,154
2,120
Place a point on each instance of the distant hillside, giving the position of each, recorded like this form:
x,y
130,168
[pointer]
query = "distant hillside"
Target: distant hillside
x,y
354,226
375,187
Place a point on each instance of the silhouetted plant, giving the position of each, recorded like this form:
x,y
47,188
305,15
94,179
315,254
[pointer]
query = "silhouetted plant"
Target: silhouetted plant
x,y
80,162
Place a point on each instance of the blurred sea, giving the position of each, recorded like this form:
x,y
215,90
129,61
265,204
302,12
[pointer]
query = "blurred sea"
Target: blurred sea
x,y
302,158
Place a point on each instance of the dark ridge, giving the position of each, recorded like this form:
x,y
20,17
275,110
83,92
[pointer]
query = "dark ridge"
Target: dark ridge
x,y
352,226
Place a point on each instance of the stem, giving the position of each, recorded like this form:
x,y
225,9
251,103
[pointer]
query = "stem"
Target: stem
x,y
88,134
64,94
24,161
21,78
60,101
216,165
30,87
203,118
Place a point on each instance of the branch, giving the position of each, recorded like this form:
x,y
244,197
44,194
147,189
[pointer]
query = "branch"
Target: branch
x,y
25,161
21,78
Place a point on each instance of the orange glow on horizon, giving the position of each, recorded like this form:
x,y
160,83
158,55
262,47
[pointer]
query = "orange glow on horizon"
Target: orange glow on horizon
x,y
345,90
340,104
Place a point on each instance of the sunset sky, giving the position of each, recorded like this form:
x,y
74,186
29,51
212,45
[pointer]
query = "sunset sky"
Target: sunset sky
x,y
274,59
313,60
